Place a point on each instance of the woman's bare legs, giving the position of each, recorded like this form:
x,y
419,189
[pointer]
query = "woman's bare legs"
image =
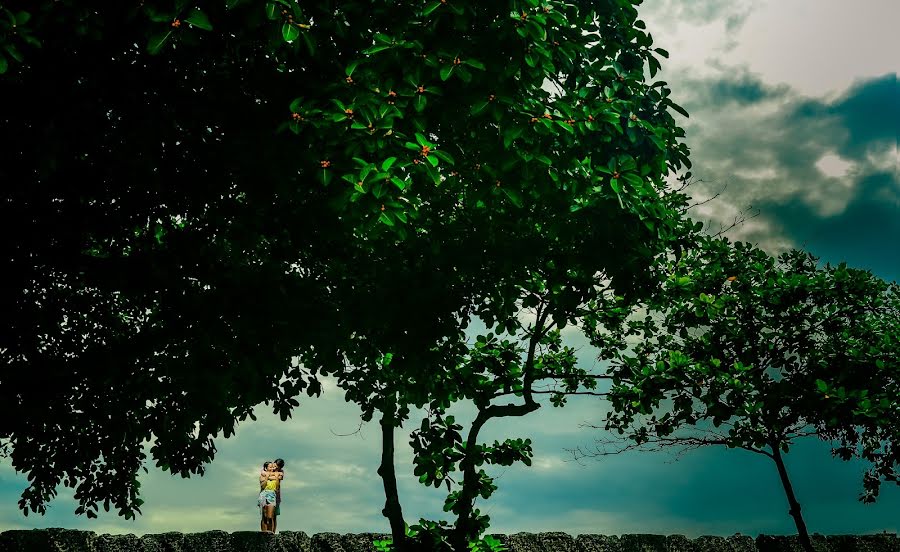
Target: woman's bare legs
x,y
270,518
262,522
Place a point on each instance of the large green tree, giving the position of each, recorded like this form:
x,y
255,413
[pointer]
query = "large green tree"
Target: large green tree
x,y
745,350
436,161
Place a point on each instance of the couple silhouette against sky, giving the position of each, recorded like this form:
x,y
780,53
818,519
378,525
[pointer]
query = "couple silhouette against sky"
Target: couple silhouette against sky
x,y
269,500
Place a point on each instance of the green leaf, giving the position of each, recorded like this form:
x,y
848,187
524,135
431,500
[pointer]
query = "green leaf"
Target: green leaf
x,y
310,45
421,100
446,71
157,41
614,184
474,63
444,156
626,163
377,48
352,67
678,108
821,385
478,107
230,4
22,17
510,134
401,184
657,141
14,52
654,66
4,64
289,32
388,163
429,9
514,196
325,176
433,160
385,218
661,52
433,173
271,10
633,179
159,17
199,19
30,39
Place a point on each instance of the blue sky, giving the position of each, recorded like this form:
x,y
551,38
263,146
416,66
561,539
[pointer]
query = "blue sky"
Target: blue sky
x,y
795,111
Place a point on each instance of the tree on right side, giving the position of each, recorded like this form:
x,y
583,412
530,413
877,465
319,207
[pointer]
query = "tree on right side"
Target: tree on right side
x,y
742,349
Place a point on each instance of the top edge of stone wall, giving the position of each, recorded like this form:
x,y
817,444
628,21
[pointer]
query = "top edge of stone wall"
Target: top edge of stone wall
x,y
71,540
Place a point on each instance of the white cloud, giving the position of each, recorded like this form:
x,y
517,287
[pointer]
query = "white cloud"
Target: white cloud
x,y
833,165
818,47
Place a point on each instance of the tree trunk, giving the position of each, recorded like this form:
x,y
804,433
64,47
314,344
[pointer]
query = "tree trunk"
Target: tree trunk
x,y
792,500
459,539
392,509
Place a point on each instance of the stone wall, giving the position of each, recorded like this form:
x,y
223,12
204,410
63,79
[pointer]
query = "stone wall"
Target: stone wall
x,y
66,540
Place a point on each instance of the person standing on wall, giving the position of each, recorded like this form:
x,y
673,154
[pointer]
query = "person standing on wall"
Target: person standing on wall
x,y
269,482
279,464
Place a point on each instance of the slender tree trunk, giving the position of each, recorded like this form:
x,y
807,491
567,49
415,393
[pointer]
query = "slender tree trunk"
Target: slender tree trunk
x,y
392,509
792,499
459,539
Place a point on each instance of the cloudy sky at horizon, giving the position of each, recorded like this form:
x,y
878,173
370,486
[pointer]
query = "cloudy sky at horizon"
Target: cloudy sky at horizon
x,y
795,111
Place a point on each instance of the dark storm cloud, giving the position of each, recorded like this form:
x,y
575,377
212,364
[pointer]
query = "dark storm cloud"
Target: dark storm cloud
x,y
767,144
738,89
869,111
701,11
865,235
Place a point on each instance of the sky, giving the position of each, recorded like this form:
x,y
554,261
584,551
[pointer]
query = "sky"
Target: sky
x,y
794,114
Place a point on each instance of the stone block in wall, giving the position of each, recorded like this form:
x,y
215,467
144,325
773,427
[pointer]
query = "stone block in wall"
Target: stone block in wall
x,y
599,543
710,543
119,543
255,541
679,543
643,543
557,542
524,542
24,539
887,542
164,542
791,543
293,541
48,540
208,541
740,543
65,540
328,542
362,542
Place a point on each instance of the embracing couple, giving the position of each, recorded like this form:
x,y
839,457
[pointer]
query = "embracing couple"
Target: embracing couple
x,y
270,494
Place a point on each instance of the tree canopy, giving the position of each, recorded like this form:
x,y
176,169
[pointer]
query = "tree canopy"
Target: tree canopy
x,y
767,349
204,190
